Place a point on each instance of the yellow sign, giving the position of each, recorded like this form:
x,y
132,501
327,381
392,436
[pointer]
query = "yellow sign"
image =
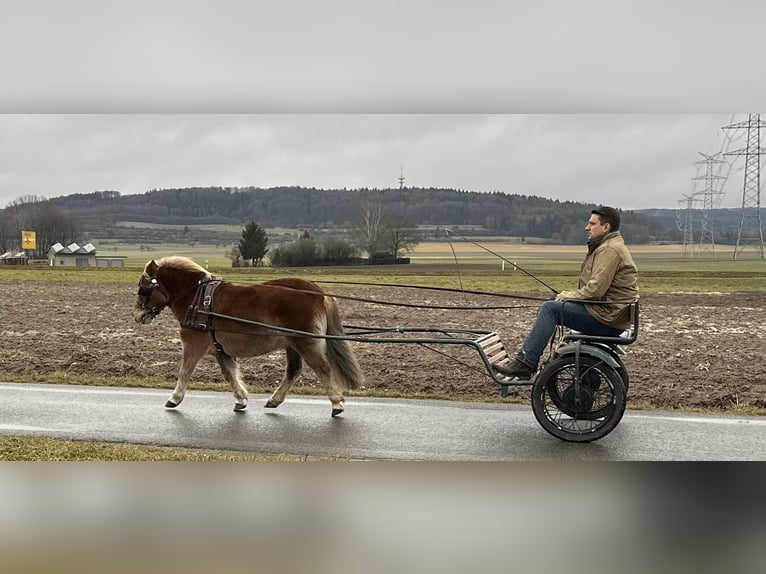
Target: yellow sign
x,y
28,240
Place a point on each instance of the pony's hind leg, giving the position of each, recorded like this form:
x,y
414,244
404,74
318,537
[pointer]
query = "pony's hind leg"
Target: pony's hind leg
x,y
314,356
230,369
292,370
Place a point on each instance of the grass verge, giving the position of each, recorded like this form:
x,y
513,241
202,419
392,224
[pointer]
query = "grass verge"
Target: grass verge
x,y
35,448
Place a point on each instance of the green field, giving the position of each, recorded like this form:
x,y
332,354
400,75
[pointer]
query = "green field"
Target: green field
x,y
661,269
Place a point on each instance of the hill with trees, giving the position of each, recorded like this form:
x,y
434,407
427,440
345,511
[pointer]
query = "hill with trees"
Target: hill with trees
x,y
492,213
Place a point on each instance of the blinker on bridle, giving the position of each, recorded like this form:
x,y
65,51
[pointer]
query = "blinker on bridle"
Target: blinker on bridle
x,y
146,292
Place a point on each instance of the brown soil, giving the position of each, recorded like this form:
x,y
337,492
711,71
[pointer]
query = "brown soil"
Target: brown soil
x,y
693,350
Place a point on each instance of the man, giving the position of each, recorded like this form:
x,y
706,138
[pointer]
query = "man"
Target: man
x,y
607,274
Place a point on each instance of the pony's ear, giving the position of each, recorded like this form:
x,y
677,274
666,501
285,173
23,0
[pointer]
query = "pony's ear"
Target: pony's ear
x,y
151,267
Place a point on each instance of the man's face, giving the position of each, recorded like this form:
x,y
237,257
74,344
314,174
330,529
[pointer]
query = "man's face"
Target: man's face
x,y
595,228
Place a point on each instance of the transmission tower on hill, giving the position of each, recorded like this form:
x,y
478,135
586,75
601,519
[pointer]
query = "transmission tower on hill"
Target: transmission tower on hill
x,y
750,230
709,195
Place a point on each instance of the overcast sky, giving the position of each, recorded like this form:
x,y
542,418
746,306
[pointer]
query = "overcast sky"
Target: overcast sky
x,y
586,100
631,161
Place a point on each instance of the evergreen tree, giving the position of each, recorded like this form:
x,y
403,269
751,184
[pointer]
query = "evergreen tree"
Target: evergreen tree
x,y
253,245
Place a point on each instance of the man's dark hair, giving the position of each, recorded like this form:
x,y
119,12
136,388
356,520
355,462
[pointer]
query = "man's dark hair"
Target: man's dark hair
x,y
608,215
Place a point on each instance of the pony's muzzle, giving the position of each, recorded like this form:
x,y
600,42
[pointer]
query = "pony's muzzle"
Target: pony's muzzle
x,y
144,318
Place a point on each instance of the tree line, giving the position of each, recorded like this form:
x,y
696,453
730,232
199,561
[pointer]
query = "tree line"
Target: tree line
x,y
326,214
494,213
38,214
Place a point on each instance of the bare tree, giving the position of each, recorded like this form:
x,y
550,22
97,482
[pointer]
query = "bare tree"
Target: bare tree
x,y
398,236
368,227
32,213
336,251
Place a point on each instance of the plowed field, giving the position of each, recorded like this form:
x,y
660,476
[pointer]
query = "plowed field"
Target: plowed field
x,y
693,350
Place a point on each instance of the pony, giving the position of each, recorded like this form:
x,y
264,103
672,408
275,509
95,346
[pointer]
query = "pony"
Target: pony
x,y
233,321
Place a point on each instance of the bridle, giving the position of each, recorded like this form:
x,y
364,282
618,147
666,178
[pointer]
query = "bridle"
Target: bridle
x,y
146,288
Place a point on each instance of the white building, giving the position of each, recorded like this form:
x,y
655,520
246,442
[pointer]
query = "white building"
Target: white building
x,y
74,255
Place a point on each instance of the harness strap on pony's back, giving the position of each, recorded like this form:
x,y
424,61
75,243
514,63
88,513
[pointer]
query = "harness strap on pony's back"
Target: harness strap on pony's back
x,y
203,301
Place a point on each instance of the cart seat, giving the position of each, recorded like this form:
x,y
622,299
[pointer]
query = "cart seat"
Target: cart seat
x,y
627,337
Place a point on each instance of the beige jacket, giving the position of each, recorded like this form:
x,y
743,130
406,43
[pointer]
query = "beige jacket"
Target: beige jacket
x,y
608,274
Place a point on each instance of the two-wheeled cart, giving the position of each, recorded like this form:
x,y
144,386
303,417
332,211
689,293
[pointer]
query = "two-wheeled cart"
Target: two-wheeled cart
x,y
579,395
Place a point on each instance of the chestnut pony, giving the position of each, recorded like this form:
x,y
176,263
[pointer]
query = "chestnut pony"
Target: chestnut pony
x,y
186,288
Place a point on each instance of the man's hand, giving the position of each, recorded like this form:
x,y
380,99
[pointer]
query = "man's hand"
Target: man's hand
x,y
564,295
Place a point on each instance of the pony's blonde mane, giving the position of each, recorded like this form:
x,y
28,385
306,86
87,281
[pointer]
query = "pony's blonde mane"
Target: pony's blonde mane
x,y
182,264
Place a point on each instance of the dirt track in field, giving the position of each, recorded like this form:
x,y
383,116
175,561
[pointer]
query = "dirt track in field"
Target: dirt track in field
x,y
693,350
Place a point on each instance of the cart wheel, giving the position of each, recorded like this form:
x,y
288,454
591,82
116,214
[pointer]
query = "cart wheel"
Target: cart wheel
x,y
584,418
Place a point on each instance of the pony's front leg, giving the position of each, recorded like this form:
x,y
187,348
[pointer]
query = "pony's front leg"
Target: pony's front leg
x,y
194,348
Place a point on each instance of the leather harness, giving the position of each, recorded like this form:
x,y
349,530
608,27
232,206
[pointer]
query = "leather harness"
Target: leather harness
x,y
203,300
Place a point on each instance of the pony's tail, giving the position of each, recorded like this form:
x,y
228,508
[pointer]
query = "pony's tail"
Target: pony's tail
x,y
339,353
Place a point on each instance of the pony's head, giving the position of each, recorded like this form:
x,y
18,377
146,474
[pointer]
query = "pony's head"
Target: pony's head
x,y
151,299
161,282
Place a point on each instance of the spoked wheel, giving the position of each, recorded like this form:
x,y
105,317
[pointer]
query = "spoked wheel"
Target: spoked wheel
x,y
582,414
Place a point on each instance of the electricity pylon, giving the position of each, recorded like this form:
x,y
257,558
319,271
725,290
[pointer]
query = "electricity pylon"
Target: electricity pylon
x,y
686,224
709,194
750,230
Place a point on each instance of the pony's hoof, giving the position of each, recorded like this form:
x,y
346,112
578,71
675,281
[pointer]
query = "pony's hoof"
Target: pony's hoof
x,y
238,408
336,412
171,405
270,405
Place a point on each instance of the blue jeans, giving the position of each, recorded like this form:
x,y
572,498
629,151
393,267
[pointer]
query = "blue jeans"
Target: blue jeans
x,y
552,314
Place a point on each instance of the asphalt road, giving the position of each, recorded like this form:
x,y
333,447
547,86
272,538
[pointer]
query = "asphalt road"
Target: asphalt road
x,y
378,429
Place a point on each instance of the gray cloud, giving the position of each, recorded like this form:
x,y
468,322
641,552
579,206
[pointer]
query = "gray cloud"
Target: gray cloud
x,y
635,160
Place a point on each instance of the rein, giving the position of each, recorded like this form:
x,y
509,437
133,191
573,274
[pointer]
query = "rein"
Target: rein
x,y
146,292
424,306
415,305
428,288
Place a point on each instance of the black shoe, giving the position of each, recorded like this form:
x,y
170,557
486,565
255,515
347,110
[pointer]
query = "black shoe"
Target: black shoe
x,y
515,370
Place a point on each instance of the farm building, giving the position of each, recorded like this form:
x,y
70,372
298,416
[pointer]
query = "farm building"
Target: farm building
x,y
11,258
74,255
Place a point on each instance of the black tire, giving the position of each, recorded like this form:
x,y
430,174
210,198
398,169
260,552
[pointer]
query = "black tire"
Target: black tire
x,y
592,415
